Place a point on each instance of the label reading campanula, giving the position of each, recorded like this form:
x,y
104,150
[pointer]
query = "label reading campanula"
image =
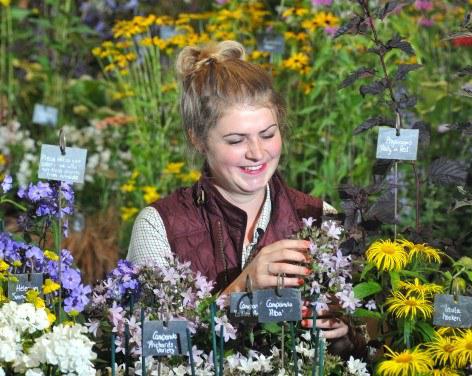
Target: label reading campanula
x,y
450,312
163,340
284,305
25,282
69,167
243,305
403,147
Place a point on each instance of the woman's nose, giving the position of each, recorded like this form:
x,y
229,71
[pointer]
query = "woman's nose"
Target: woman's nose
x,y
254,151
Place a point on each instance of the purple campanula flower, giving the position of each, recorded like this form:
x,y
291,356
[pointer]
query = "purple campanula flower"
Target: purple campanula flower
x,y
370,305
67,258
7,183
73,304
308,222
35,252
81,293
425,22
39,191
70,278
21,192
67,192
203,285
331,30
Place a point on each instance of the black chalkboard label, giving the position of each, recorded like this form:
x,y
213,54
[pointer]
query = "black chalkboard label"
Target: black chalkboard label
x,y
273,43
164,340
17,290
450,312
282,306
243,305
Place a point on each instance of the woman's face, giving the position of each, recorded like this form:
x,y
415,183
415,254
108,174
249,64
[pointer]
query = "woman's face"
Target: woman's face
x,y
243,150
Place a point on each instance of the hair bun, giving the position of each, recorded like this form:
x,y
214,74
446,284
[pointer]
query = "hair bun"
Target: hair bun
x,y
191,59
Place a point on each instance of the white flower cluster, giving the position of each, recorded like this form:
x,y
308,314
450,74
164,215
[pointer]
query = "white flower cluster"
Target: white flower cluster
x,y
14,139
357,368
15,321
65,347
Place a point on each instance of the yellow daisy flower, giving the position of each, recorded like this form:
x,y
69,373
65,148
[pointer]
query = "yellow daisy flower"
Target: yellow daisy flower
x,y
32,296
324,19
51,316
173,168
463,351
150,194
406,363
51,255
3,266
387,255
50,286
422,251
128,187
297,62
408,307
423,290
441,350
128,213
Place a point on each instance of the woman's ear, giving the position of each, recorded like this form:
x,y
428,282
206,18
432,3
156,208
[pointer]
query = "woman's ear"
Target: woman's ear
x,y
196,142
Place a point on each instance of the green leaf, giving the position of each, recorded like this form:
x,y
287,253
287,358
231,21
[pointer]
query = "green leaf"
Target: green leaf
x,y
19,14
367,268
426,330
272,327
307,110
365,313
407,330
395,279
365,289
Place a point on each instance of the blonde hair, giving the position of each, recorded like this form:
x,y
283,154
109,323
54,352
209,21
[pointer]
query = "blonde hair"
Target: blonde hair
x,y
214,78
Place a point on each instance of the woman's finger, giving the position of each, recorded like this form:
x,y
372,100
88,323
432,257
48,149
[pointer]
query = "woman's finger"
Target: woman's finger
x,y
275,268
331,328
271,281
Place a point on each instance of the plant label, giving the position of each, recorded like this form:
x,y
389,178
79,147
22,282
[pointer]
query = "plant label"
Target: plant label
x,y
17,290
451,312
45,115
403,147
273,43
164,340
243,305
282,306
69,167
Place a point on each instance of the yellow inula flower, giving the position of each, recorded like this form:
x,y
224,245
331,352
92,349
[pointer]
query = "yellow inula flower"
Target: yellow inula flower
x,y
128,213
422,251
423,290
445,372
408,307
5,3
32,296
406,363
441,350
150,194
463,351
387,255
50,286
51,255
174,168
3,160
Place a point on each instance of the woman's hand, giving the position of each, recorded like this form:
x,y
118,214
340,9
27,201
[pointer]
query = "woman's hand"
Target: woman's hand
x,y
272,260
331,327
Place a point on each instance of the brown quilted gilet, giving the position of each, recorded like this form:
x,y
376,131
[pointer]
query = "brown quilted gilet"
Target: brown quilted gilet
x,y
205,229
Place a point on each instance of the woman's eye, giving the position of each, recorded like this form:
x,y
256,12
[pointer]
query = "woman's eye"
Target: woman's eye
x,y
267,136
234,141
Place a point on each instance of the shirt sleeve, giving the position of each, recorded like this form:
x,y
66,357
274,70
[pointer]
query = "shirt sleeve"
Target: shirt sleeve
x,y
149,243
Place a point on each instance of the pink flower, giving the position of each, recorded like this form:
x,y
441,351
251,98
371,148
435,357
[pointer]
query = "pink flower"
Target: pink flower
x,y
330,30
322,2
425,22
423,5
222,2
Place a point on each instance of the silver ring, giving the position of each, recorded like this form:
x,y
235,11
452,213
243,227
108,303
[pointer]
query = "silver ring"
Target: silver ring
x,y
280,283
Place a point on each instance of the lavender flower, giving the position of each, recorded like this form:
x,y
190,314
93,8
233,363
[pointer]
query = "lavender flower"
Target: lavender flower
x,y
7,183
425,5
70,278
322,2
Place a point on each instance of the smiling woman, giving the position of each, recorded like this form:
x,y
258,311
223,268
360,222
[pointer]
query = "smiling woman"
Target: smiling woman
x,y
237,221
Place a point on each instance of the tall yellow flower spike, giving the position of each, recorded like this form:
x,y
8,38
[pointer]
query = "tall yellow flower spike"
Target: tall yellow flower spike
x,y
387,255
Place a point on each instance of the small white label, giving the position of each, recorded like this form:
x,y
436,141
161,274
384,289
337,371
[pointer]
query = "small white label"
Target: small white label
x,y
69,167
45,115
403,147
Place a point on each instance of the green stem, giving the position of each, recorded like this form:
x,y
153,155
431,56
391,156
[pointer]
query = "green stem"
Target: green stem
x,y
8,201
